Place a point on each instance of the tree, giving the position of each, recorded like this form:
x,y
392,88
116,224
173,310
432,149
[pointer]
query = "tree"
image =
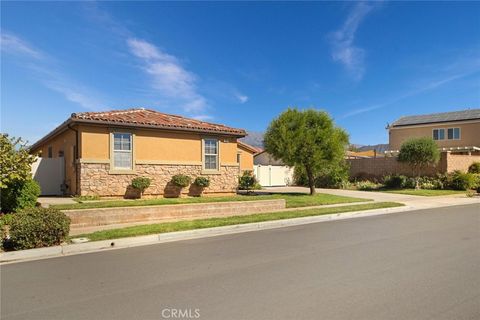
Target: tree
x,y
15,161
306,138
419,153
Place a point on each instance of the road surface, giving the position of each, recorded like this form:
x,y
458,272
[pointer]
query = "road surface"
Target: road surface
x,y
415,265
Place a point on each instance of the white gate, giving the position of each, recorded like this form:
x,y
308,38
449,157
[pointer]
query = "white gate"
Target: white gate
x,y
50,175
273,176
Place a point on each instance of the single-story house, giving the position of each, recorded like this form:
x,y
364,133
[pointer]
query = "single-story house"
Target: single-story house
x,y
245,154
103,151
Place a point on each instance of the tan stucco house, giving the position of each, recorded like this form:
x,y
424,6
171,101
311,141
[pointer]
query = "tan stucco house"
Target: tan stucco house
x,y
455,131
104,151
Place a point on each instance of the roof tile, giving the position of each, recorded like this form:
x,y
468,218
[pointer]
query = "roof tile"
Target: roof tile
x,y
155,119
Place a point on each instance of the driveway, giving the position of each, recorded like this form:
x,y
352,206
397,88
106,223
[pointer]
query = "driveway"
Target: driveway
x,y
417,202
413,265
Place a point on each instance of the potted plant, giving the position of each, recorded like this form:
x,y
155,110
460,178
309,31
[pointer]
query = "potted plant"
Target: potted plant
x,y
199,184
180,181
140,184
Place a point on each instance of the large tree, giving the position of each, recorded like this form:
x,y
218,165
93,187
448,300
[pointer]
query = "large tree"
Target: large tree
x,y
306,138
419,153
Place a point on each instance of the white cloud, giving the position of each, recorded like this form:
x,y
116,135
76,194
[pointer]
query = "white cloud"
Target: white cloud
x,y
47,72
343,49
168,76
433,84
241,97
13,44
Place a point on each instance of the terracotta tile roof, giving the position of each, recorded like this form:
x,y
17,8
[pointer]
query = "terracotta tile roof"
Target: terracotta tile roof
x,y
150,118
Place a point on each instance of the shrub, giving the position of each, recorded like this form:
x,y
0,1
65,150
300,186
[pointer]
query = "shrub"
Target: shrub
x,y
461,181
38,227
333,176
202,182
367,185
15,160
20,195
395,181
474,167
141,183
5,220
181,180
247,181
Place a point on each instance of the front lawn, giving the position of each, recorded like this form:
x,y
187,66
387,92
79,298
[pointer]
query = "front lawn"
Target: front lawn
x,y
424,192
219,222
293,200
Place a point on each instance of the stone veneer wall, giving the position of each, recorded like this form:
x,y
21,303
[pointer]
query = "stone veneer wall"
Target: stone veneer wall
x,y
95,179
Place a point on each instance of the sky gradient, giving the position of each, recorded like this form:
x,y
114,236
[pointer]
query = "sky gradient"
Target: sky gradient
x,y
239,64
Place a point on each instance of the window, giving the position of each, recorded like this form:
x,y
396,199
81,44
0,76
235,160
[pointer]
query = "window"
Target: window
x,y
122,151
438,134
50,152
210,151
453,133
238,157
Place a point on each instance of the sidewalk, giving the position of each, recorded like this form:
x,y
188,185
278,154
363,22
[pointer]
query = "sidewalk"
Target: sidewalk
x,y
415,202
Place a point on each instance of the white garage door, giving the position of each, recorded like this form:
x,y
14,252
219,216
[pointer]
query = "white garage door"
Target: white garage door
x,y
49,173
273,176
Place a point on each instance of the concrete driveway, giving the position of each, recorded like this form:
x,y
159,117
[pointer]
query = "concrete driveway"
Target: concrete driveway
x,y
416,202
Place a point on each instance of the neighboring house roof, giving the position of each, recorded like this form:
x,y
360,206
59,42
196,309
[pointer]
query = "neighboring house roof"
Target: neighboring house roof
x,y
360,154
471,114
248,147
143,118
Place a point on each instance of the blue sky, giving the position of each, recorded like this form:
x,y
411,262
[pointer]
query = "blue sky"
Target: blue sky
x,y
240,64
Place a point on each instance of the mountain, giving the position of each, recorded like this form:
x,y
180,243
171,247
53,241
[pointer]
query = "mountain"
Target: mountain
x,y
254,138
381,148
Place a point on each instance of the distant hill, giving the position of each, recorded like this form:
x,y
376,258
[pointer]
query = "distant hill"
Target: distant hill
x,y
381,148
254,138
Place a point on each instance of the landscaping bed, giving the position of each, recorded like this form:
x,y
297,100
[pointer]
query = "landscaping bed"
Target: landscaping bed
x,y
219,222
293,200
423,192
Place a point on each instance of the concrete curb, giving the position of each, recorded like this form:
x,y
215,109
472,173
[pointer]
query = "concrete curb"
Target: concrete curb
x,y
103,245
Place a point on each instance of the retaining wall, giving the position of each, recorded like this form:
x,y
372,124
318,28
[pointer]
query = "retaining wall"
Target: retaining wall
x,y
169,213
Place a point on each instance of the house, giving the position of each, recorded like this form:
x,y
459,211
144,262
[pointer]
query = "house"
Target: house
x,y
457,135
245,154
103,151
455,131
271,172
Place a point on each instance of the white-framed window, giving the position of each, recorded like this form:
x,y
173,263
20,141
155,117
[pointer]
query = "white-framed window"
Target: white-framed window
x,y
122,151
438,134
210,154
453,133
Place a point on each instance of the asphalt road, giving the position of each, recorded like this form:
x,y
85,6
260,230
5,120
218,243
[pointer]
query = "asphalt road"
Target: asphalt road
x,y
416,265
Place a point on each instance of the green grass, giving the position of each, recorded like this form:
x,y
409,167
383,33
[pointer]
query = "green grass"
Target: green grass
x,y
424,192
293,200
219,222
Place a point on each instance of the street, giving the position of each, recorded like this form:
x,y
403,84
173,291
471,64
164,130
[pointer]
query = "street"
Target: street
x,y
414,265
